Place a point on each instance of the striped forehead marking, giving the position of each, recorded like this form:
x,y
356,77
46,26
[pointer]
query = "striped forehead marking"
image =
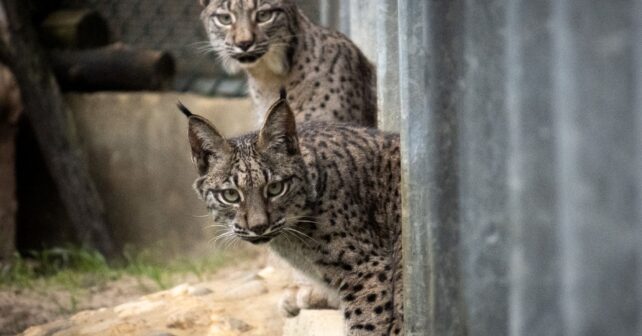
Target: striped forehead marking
x,y
249,170
242,4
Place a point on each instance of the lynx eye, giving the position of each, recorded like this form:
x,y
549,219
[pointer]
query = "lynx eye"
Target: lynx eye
x,y
263,16
275,189
223,19
229,196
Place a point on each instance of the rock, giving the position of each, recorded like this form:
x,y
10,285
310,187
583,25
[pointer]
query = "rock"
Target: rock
x,y
266,272
315,323
239,325
199,291
48,330
185,318
181,321
160,333
180,290
247,290
185,289
137,308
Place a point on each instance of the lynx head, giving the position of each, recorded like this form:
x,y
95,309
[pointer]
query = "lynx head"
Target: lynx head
x,y
254,185
248,33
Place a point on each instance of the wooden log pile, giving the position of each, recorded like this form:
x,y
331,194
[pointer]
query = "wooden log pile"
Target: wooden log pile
x,y
84,60
116,67
75,29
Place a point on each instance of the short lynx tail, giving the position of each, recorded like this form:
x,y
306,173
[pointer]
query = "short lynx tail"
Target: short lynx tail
x,y
184,109
283,93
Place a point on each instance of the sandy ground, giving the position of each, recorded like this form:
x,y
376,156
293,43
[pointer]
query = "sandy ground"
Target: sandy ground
x,y
25,307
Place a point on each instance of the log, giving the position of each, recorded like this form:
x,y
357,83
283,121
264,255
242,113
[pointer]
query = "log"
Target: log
x,y
75,29
117,67
54,128
10,110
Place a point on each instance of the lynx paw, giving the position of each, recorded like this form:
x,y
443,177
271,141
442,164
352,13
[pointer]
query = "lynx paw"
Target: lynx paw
x,y
296,298
288,303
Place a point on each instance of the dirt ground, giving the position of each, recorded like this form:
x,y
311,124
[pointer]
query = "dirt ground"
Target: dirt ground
x,y
26,307
22,308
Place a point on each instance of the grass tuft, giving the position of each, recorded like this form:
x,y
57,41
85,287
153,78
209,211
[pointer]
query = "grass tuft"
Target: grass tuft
x,y
76,268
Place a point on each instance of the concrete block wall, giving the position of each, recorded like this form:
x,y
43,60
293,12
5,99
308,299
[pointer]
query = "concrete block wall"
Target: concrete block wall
x,y
139,156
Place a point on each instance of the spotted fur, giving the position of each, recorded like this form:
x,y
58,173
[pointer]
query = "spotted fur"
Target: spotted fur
x,y
328,77
338,217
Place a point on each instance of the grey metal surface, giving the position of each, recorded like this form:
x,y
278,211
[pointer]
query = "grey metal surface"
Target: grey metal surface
x,y
363,25
535,302
482,165
532,181
387,62
595,54
522,162
416,235
429,96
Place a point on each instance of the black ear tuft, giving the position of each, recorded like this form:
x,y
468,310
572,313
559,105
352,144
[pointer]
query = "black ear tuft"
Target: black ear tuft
x,y
184,109
283,95
204,3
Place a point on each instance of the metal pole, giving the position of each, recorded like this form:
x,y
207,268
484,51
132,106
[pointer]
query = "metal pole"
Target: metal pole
x,y
430,70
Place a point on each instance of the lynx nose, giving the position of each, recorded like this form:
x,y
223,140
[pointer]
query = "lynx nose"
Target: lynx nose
x,y
259,229
245,45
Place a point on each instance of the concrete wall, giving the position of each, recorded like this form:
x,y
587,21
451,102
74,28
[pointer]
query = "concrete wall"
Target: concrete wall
x,y
140,158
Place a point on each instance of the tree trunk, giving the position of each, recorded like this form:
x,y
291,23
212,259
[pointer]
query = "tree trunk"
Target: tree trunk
x,y
115,67
54,127
10,109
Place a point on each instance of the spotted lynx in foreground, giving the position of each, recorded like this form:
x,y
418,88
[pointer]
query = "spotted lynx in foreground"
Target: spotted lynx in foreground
x,y
275,44
325,198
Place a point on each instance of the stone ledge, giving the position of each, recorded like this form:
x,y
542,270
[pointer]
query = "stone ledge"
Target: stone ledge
x,y
315,323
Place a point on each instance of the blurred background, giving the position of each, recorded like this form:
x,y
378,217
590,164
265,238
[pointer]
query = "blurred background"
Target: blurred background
x,y
520,122
96,198
109,57
134,139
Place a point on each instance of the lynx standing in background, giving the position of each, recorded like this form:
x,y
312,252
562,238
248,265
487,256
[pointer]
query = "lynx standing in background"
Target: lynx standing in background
x,y
325,198
327,77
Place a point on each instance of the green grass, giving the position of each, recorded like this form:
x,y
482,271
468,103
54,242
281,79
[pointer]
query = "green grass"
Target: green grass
x,y
75,268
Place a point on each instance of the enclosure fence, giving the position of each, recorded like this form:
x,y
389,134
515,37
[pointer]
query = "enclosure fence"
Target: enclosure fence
x,y
521,127
172,26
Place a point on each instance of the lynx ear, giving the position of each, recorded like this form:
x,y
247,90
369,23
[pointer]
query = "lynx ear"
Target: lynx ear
x,y
207,143
279,129
204,3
